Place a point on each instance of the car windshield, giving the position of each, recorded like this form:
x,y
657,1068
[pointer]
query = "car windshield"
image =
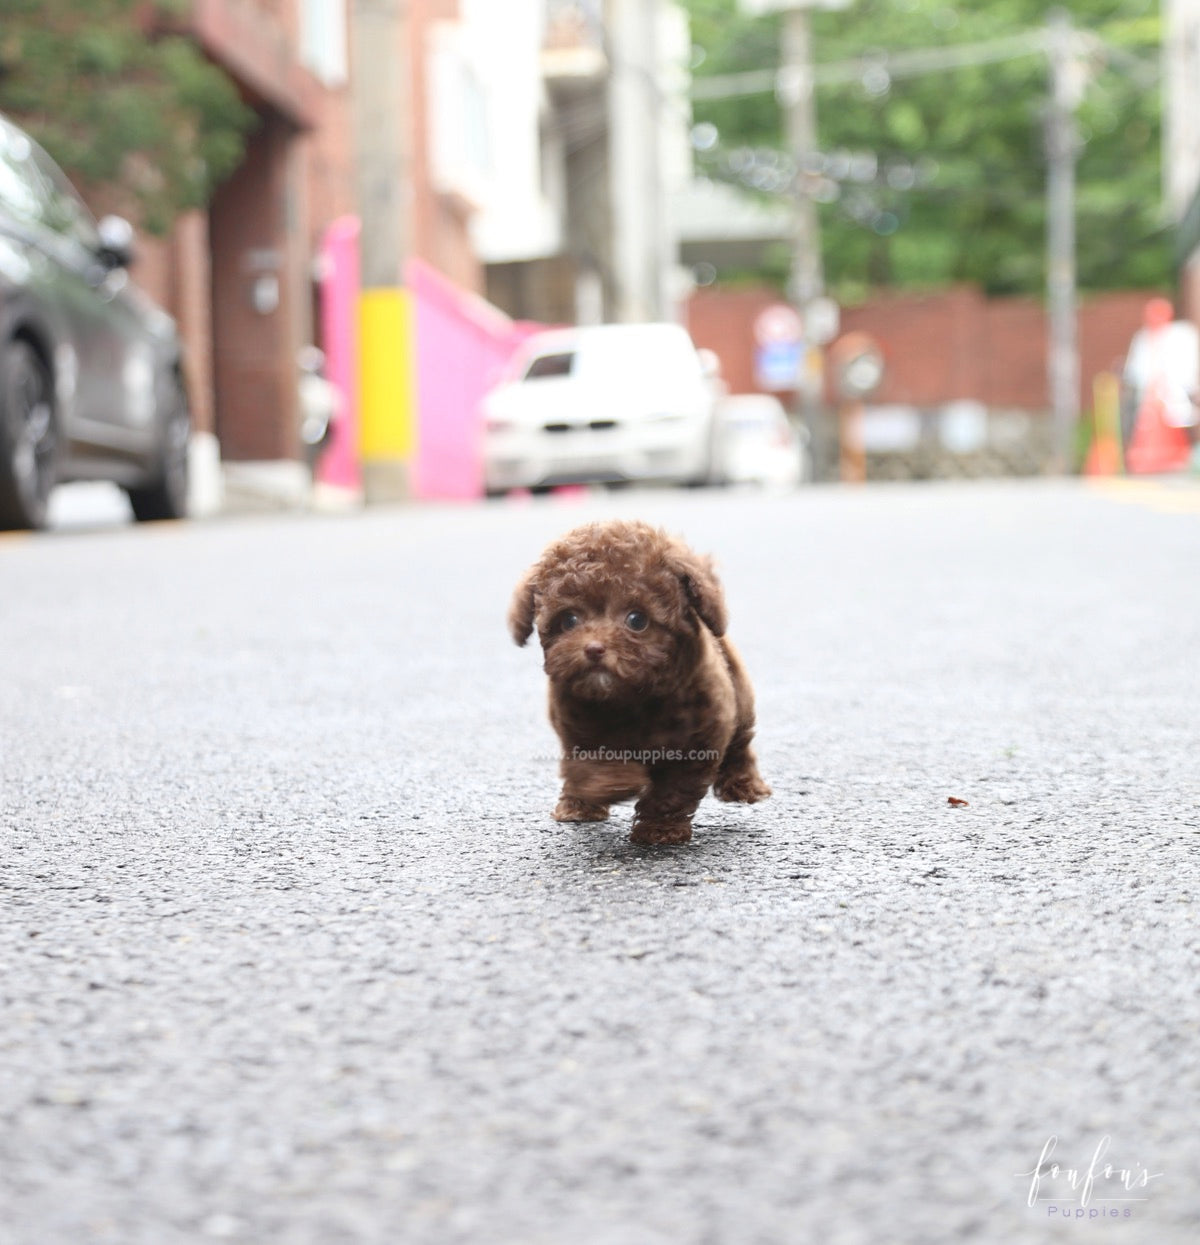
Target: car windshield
x,y
544,365
35,190
65,210
18,187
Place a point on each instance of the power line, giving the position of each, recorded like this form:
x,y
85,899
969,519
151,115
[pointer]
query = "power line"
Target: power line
x,y
895,64
912,64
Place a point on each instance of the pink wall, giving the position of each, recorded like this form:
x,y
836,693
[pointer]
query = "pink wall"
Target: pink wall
x,y
339,463
463,343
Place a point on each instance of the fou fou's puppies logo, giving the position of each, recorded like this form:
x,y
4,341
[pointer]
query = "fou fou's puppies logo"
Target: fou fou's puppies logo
x,y
1097,1189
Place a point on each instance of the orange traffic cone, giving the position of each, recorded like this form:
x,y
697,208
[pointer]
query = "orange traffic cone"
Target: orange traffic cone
x,y
1156,445
1103,457
1104,453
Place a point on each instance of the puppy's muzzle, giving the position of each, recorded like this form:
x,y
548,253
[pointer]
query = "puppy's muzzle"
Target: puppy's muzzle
x,y
594,651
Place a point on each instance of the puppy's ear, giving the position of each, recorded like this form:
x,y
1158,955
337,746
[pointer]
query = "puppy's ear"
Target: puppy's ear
x,y
703,590
522,607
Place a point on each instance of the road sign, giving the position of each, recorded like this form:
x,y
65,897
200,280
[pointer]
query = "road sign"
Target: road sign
x,y
778,323
777,365
858,365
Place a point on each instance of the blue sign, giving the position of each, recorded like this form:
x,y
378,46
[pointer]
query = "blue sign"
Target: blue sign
x,y
777,365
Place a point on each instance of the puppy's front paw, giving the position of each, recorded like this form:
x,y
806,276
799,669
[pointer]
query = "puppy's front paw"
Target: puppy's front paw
x,y
742,788
653,832
571,809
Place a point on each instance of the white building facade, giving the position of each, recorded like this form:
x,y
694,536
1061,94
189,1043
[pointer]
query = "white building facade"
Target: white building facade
x,y
565,123
1182,141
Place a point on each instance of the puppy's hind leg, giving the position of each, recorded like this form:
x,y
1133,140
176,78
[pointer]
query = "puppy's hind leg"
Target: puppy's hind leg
x,y
589,787
738,780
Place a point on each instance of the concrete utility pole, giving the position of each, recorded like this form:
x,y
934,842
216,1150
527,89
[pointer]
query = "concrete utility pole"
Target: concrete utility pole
x,y
808,273
796,92
635,124
382,46
1062,151
795,86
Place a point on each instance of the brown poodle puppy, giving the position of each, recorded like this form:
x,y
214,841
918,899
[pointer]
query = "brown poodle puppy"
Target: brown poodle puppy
x,y
650,700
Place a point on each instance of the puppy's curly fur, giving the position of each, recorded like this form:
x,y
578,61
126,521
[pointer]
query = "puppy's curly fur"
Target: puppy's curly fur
x,y
648,696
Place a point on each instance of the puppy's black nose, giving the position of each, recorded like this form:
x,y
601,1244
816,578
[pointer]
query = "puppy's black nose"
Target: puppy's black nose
x,y
594,650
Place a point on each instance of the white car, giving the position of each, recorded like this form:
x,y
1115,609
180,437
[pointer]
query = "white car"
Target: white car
x,y
756,443
609,402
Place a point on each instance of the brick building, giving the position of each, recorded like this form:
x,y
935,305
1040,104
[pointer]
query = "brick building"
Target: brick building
x,y
242,277
238,276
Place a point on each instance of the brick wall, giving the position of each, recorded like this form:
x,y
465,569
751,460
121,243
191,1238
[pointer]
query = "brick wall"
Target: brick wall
x,y
954,343
1009,353
298,177
254,353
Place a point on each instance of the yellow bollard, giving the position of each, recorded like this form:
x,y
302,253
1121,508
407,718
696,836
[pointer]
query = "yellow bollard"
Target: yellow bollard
x,y
1104,456
387,393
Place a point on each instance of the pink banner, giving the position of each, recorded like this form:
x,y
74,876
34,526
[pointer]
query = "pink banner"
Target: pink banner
x,y
339,268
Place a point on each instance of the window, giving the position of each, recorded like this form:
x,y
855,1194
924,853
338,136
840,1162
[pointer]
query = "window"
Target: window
x,y
323,39
460,141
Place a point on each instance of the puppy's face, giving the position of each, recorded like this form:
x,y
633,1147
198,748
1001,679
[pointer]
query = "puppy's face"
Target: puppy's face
x,y
611,647
618,609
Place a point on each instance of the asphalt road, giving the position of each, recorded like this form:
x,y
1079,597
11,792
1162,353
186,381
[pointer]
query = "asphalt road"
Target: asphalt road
x,y
292,952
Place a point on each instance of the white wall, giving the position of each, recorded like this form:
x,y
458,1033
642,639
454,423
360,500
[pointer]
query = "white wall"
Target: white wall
x,y
519,209
1182,120
649,124
488,64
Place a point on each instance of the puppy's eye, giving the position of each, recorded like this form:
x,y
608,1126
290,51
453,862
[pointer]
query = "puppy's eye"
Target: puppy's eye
x,y
568,622
635,620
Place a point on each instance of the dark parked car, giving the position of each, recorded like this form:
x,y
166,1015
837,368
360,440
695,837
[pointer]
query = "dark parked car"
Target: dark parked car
x,y
91,384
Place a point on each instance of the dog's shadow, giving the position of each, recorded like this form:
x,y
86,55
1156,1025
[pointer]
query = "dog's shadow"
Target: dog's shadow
x,y
713,839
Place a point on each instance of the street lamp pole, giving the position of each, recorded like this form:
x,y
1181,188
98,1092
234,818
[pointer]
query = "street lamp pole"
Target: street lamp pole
x,y
807,271
795,88
1062,151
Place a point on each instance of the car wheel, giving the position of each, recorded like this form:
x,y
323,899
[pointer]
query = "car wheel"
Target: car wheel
x,y
166,496
28,437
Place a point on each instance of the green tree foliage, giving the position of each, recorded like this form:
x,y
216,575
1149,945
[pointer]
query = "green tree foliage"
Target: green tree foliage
x,y
118,103
973,135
